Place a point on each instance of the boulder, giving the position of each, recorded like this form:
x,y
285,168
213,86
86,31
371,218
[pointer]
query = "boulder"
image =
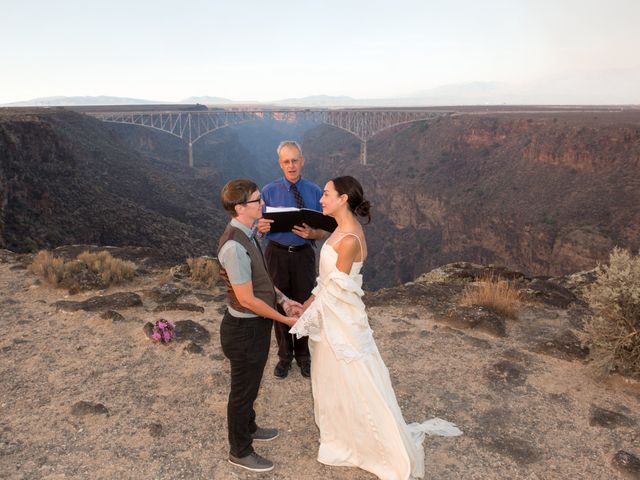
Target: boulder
x,y
187,307
114,301
193,331
82,408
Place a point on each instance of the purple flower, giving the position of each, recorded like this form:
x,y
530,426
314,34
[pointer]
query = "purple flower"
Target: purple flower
x,y
156,336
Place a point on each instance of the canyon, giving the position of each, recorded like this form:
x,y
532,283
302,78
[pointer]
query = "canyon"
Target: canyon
x,y
544,192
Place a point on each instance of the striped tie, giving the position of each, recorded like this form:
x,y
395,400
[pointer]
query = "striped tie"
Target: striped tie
x,y
298,196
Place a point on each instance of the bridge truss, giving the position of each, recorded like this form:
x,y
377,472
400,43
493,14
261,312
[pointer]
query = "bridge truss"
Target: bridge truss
x,y
191,126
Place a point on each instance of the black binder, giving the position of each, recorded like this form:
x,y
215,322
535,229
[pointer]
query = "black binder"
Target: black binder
x,y
285,221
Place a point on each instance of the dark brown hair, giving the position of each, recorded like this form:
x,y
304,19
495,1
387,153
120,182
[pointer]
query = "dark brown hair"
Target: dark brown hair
x,y
349,186
235,193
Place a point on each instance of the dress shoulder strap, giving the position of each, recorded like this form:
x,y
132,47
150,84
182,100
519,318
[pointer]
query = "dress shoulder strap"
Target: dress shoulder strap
x,y
357,238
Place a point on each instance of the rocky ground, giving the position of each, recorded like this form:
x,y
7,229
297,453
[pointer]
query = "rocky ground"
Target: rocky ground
x,y
85,394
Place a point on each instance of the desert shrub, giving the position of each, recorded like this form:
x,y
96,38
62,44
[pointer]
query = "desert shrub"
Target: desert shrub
x,y
204,270
613,332
493,293
111,270
48,268
87,271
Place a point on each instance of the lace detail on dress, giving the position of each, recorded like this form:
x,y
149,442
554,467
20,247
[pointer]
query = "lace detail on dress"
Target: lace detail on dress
x,y
309,324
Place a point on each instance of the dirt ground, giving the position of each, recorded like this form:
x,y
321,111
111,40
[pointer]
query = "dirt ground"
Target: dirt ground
x,y
525,415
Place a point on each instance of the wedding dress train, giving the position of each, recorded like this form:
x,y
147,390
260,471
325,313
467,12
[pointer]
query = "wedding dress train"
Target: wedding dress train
x,y
355,407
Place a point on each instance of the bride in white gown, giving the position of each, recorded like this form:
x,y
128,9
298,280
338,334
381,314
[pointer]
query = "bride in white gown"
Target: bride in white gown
x,y
355,407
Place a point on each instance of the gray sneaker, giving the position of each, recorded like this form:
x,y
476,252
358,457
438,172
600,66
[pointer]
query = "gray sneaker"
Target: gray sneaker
x,y
253,462
265,434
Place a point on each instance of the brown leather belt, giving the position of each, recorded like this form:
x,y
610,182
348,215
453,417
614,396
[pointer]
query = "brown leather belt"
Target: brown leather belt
x,y
289,248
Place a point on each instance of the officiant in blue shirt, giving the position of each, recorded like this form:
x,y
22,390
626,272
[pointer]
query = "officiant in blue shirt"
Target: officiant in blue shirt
x,y
290,256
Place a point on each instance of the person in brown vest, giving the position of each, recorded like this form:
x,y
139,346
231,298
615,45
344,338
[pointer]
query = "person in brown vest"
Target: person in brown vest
x,y
245,331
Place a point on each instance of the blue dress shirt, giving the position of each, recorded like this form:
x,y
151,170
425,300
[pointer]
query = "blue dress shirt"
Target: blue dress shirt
x,y
279,194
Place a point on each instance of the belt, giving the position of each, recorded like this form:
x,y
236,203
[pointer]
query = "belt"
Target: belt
x,y
289,248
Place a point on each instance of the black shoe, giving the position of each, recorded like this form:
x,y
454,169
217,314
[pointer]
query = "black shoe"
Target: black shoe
x,y
265,434
253,462
305,369
282,369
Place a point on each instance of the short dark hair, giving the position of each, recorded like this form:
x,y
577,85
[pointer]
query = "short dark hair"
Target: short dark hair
x,y
236,192
351,187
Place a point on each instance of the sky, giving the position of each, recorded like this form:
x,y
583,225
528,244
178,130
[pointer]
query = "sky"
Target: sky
x,y
269,50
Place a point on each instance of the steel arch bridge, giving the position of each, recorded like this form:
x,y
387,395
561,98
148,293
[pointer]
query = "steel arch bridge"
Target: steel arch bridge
x,y
191,126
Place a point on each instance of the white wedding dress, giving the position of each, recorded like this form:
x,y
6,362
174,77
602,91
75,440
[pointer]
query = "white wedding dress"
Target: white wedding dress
x,y
355,407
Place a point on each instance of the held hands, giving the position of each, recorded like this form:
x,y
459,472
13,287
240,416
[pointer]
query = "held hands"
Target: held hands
x,y
292,308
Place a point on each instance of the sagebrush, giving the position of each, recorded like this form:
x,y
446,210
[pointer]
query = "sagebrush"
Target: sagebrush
x,y
493,293
204,270
613,332
87,271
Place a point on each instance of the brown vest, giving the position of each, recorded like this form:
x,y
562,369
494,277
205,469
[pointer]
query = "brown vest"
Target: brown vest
x,y
260,278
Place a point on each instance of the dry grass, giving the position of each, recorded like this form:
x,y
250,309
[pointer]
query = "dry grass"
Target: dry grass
x,y
88,270
204,270
495,294
111,270
48,268
613,333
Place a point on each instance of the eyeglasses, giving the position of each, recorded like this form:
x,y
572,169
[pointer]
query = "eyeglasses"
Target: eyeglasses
x,y
253,201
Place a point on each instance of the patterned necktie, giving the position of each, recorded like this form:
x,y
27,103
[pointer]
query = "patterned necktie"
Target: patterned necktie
x,y
298,196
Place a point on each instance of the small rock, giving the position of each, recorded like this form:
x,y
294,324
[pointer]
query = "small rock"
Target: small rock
x,y
105,302
565,346
188,307
88,408
550,293
600,417
7,256
155,430
165,293
190,330
112,315
477,318
627,463
205,297
148,329
477,342
399,334
193,347
505,373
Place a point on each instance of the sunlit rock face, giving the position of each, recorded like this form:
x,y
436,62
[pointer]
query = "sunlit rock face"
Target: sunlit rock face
x,y
547,194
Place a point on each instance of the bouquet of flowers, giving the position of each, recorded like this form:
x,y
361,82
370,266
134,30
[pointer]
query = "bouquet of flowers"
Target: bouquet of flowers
x,y
163,331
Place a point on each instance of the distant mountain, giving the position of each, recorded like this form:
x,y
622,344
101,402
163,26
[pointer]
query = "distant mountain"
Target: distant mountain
x,y
318,101
206,100
79,101
461,94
